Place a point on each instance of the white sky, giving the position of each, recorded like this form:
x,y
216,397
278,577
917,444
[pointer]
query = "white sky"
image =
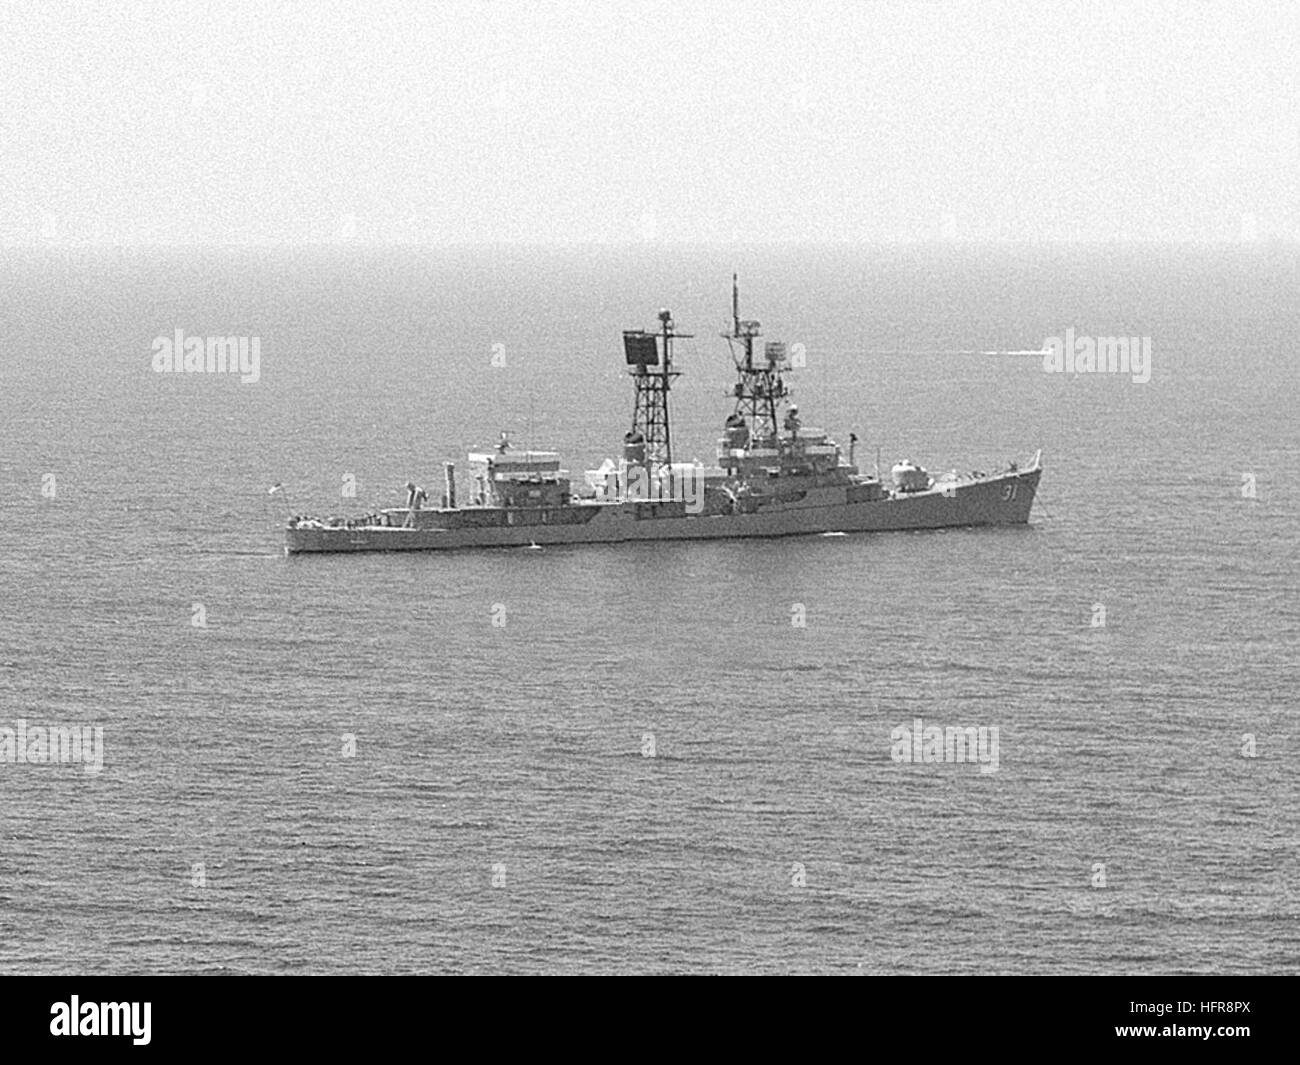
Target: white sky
x,y
613,122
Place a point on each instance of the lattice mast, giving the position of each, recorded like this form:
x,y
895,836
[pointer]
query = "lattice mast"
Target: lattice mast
x,y
652,378
760,387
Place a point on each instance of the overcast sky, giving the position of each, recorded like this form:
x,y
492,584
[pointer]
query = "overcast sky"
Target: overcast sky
x,y
613,122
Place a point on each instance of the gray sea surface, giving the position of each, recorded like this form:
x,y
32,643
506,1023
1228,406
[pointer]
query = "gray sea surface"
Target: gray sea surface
x,y
499,812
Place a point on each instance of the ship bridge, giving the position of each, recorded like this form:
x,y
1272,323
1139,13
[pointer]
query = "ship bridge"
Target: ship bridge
x,y
756,441
810,453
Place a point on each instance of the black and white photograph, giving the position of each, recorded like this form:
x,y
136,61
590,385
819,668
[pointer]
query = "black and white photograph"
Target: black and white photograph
x,y
650,489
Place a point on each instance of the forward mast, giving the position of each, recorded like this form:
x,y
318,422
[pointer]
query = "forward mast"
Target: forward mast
x,y
760,388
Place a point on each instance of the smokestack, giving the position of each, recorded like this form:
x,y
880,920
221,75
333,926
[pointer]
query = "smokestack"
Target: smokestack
x,y
449,469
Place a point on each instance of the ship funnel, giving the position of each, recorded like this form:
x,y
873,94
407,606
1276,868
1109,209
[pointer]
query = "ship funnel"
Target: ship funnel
x,y
634,449
449,472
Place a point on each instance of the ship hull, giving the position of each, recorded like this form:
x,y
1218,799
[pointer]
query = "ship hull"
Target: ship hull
x,y
1001,500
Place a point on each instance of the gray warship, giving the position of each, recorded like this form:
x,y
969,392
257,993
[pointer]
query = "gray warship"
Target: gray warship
x,y
773,477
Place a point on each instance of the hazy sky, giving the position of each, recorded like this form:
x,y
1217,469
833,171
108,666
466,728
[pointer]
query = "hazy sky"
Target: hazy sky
x,y
613,122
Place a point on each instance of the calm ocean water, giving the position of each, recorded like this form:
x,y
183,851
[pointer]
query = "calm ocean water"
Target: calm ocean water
x,y
228,830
